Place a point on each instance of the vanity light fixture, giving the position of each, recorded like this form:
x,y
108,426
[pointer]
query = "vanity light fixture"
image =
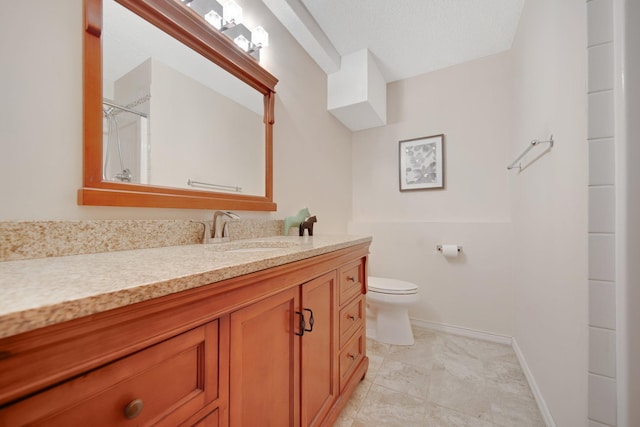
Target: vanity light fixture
x,y
226,17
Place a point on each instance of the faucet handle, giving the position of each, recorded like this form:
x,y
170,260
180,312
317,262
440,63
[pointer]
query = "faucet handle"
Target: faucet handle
x,y
206,235
216,214
225,226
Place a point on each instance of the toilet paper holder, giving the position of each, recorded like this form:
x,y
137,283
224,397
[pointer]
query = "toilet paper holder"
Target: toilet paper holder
x,y
439,248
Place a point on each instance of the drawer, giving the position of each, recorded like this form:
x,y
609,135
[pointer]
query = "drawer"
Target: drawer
x,y
350,357
351,319
164,384
351,281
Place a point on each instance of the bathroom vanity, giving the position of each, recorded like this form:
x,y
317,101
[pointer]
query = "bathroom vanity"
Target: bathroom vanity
x,y
231,344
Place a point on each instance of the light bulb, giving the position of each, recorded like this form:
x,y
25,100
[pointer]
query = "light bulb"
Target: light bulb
x,y
259,37
214,19
242,42
231,12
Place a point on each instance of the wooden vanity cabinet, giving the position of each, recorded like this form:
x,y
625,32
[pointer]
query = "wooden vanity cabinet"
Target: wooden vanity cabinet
x,y
232,353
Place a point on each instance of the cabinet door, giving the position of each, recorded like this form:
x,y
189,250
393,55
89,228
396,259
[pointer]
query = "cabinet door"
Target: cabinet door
x,y
264,363
319,378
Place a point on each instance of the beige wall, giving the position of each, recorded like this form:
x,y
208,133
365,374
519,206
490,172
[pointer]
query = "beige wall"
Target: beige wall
x,y
41,123
312,150
549,201
471,104
233,135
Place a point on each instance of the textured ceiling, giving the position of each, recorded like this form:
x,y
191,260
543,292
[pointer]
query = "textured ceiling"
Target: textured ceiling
x,y
411,37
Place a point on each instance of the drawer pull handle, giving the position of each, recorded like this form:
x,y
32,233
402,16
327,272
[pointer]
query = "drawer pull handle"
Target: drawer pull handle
x,y
351,356
351,279
351,316
311,321
303,325
133,409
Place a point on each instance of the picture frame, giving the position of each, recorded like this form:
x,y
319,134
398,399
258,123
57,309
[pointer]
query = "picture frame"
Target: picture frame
x,y
421,163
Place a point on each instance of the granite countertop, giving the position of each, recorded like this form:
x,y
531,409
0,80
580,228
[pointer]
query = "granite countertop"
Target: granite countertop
x,y
41,292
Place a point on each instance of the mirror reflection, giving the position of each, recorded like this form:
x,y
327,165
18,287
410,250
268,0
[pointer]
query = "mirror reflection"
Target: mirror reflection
x,y
171,117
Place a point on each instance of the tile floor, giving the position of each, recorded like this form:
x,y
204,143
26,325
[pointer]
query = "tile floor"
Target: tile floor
x,y
443,380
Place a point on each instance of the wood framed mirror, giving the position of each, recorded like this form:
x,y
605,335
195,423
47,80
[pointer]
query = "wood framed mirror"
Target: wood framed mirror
x,y
104,188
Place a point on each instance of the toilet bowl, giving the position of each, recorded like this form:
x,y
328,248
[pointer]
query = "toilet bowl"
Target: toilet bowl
x,y
388,302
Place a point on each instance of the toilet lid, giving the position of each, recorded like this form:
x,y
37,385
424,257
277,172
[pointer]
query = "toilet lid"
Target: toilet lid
x,y
391,286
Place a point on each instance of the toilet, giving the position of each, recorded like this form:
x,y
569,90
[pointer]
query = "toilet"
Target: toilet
x,y
388,302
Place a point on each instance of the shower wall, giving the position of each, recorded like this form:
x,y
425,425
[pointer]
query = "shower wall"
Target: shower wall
x,y
602,139
614,211
628,298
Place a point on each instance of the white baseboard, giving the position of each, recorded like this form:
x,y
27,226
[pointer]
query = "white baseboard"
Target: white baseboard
x,y
542,405
501,339
465,332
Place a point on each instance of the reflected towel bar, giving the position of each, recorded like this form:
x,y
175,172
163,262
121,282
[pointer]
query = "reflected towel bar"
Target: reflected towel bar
x,y
123,108
531,145
220,187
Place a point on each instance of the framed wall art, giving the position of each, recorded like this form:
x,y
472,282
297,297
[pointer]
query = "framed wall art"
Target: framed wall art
x,y
422,163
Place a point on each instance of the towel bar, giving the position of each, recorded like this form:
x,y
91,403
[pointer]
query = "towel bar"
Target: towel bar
x,y
533,143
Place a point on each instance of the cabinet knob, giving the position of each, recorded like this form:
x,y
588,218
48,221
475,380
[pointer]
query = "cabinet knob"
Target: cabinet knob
x,y
133,408
351,279
351,316
352,356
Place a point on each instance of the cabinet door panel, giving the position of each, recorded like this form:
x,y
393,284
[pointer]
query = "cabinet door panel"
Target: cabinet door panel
x,y
319,349
265,363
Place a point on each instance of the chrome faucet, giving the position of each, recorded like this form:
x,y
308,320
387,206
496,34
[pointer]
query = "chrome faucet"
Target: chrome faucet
x,y
210,234
214,230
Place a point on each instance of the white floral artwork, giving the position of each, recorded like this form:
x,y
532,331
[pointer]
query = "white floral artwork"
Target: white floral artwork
x,y
421,163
